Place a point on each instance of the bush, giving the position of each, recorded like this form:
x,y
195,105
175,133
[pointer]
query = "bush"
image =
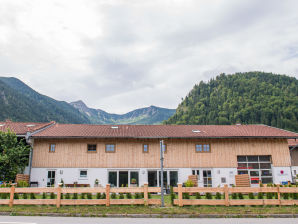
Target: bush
x,y
67,196
44,196
208,195
218,195
52,195
234,196
137,195
240,196
149,195
103,196
185,195
128,195
89,196
83,195
260,195
98,195
75,196
16,196
32,196
113,196
25,196
188,183
121,196
198,196
22,184
251,196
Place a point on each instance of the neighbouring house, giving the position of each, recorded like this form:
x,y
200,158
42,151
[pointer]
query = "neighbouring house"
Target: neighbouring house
x,y
293,146
129,155
23,131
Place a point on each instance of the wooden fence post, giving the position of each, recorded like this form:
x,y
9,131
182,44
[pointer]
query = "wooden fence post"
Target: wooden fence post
x,y
58,200
227,199
108,186
180,198
146,194
278,195
12,190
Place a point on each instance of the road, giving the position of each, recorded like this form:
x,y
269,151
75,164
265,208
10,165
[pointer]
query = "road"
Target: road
x,y
76,220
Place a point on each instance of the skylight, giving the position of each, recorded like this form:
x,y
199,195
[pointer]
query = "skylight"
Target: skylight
x,y
114,127
1,125
196,131
30,125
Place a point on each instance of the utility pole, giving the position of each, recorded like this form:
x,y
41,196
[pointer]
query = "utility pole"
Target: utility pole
x,y
161,172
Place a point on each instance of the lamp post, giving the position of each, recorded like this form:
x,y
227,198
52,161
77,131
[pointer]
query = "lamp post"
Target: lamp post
x,y
161,172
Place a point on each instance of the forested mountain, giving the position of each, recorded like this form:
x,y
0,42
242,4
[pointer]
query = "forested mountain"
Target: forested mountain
x,y
19,102
247,98
147,115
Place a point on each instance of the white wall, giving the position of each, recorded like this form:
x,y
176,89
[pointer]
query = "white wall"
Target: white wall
x,y
281,174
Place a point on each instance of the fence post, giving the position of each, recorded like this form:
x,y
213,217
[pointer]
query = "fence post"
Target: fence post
x,y
180,198
12,190
278,195
226,189
108,186
146,194
58,200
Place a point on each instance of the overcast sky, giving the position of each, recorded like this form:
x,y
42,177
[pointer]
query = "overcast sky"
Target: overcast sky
x,y
121,55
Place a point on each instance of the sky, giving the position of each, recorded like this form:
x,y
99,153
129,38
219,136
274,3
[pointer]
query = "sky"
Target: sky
x,y
122,55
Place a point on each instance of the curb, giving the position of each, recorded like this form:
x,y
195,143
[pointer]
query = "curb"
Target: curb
x,y
153,215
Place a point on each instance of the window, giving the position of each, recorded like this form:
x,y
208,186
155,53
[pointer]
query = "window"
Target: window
x,y
198,148
83,173
110,147
196,172
122,178
91,148
51,178
52,148
145,148
258,167
202,148
207,178
223,180
113,178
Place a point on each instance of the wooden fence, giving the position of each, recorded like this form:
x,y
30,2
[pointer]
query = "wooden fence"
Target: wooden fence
x,y
61,190
227,201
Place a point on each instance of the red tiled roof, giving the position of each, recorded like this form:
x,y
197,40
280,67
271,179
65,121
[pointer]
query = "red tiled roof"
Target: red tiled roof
x,y
21,128
292,142
163,131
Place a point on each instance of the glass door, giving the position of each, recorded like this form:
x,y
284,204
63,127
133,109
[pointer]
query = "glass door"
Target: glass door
x,y
207,178
51,178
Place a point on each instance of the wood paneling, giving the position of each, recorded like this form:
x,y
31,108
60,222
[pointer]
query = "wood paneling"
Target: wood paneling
x,y
180,153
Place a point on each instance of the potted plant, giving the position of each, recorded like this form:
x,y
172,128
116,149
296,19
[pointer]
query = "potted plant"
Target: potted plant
x,y
96,183
133,182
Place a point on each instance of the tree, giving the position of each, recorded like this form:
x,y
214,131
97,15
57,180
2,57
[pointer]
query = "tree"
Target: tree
x,y
14,155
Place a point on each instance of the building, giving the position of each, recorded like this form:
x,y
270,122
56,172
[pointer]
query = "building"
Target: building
x,y
293,147
129,155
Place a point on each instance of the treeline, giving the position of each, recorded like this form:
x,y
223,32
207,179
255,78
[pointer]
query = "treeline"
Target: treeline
x,y
247,98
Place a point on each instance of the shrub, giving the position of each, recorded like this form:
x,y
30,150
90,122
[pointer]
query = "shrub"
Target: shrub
x,y
218,195
98,195
22,184
188,183
67,196
103,196
75,196
83,196
89,196
121,196
173,196
149,195
44,196
113,196
185,195
240,196
260,195
198,196
234,196
142,195
25,196
32,196
251,196
52,195
128,195
208,195
16,196
137,195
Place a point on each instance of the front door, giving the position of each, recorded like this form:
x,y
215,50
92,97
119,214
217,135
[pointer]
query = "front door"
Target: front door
x,y
51,178
123,178
207,178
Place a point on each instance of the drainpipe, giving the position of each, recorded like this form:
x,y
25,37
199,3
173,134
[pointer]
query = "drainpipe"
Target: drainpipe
x,y
161,173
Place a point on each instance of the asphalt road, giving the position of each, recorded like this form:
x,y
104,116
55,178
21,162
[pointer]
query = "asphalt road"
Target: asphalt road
x,y
76,220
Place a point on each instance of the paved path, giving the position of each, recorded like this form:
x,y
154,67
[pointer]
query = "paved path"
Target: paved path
x,y
76,220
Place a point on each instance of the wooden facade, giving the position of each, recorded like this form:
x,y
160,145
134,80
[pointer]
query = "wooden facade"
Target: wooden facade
x,y
72,153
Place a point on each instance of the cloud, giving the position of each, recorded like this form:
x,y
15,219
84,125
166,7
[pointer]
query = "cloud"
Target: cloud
x,y
122,55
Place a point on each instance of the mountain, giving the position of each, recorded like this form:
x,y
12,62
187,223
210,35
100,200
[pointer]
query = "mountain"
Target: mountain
x,y
19,102
147,115
248,98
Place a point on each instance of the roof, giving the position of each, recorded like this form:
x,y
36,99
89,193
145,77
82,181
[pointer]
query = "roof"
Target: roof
x,y
163,131
292,142
21,128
